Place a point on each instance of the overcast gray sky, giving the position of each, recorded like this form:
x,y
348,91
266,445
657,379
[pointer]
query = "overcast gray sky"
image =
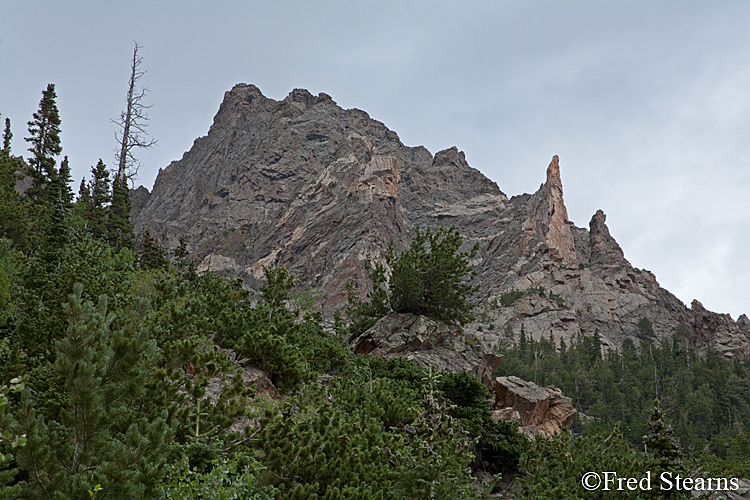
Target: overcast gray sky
x,y
646,103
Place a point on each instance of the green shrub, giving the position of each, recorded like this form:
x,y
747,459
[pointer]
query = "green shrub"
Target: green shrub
x,y
227,479
431,277
507,298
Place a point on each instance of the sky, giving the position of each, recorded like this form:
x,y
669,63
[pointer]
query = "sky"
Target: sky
x,y
646,103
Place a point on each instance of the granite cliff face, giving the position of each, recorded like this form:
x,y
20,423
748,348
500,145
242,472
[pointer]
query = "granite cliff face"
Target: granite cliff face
x,y
306,184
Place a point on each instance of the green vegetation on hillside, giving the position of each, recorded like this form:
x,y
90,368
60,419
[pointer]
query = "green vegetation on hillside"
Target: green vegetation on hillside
x,y
705,398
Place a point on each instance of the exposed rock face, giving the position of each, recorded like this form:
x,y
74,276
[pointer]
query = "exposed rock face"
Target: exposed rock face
x,y
719,331
554,222
540,410
741,493
429,342
306,184
604,248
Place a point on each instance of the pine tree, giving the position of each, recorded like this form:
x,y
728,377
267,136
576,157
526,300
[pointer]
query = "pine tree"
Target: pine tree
x,y
665,449
99,435
9,440
64,179
83,201
660,440
276,293
183,262
56,233
119,228
44,138
151,255
7,136
430,278
54,220
96,197
14,222
523,343
318,450
435,462
365,313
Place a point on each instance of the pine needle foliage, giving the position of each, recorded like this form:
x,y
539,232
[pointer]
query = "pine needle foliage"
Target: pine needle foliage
x,y
99,435
431,277
44,138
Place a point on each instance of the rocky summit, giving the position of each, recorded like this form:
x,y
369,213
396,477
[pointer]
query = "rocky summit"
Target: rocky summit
x,y
319,189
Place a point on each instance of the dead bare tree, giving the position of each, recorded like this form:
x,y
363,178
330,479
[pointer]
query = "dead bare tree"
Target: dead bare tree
x,y
132,123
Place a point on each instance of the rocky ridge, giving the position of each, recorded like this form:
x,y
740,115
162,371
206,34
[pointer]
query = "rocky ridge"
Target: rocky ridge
x,y
303,183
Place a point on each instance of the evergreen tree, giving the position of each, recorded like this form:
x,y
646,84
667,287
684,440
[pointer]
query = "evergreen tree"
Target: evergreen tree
x,y
665,449
14,216
99,200
183,262
660,440
64,179
645,328
365,313
430,277
56,233
151,254
556,467
7,136
119,228
54,220
99,437
523,343
315,449
497,445
44,138
9,442
435,461
83,202
276,292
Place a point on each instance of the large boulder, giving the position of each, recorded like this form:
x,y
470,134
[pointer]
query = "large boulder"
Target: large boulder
x,y
429,342
540,410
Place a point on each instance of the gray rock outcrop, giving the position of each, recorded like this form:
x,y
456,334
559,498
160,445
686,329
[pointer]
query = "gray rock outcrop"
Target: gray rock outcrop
x,y
303,183
428,342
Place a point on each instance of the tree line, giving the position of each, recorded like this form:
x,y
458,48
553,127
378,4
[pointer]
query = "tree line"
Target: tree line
x,y
706,398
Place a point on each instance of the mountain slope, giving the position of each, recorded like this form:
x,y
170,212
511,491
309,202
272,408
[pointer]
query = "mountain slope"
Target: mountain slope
x,y
306,184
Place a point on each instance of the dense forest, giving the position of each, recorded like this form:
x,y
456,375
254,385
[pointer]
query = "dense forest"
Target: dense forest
x,y
121,373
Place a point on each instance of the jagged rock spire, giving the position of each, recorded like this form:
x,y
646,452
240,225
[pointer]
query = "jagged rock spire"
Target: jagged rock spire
x,y
604,248
558,235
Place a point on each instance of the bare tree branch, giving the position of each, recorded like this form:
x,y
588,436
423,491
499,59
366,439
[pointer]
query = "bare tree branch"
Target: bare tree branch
x,y
132,123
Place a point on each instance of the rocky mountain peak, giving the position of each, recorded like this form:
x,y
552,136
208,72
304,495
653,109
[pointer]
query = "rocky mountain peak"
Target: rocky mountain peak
x,y
451,158
304,97
319,189
237,102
